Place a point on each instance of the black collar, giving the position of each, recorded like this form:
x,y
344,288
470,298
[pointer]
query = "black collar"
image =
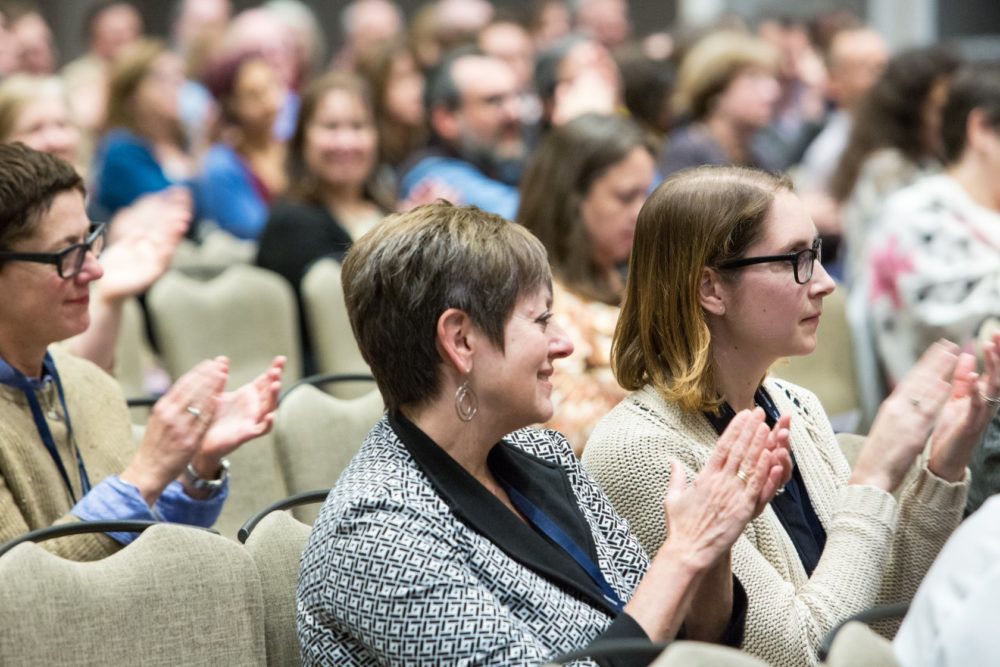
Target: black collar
x,y
543,482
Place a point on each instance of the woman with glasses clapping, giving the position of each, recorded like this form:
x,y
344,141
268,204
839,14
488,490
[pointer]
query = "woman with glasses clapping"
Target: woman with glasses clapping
x,y
66,450
724,280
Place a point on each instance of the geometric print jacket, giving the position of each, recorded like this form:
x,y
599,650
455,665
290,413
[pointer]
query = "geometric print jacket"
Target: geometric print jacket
x,y
413,562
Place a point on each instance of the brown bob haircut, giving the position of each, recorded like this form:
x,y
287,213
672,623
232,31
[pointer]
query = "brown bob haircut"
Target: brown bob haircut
x,y
697,219
400,277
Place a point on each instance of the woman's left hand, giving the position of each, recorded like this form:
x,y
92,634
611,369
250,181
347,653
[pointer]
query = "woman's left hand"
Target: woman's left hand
x,y
965,415
240,415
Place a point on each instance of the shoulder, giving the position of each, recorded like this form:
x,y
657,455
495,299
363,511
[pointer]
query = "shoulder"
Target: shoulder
x,y
291,212
221,157
76,371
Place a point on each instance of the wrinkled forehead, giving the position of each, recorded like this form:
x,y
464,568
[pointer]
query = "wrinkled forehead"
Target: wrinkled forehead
x,y
482,76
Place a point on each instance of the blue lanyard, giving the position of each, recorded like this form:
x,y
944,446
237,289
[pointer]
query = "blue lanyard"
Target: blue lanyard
x,y
540,520
14,378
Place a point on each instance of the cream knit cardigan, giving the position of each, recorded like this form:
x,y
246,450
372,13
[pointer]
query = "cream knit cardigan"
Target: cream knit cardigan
x,y
32,493
877,550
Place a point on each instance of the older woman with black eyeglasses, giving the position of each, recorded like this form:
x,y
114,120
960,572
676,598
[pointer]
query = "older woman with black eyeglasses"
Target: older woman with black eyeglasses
x,y
724,280
66,450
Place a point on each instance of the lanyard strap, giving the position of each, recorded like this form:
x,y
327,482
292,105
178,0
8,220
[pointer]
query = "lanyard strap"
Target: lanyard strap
x,y
540,520
12,377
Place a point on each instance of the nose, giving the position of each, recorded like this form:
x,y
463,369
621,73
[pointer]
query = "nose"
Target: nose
x,y
560,346
821,285
91,270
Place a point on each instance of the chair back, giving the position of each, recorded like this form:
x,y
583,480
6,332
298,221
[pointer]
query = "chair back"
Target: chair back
x,y
175,596
133,353
333,340
829,371
245,313
857,645
698,654
317,434
217,251
276,546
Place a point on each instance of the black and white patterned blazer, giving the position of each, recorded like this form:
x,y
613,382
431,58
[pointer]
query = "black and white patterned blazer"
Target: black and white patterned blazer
x,y
410,563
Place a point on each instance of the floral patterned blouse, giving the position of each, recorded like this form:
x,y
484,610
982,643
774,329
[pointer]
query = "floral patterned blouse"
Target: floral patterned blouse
x,y
584,386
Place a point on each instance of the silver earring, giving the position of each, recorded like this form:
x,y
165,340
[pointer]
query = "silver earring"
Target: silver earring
x,y
466,403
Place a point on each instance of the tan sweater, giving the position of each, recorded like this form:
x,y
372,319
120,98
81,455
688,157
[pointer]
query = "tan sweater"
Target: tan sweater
x,y
32,492
877,550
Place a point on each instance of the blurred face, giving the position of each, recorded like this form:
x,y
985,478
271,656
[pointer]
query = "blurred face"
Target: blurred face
x,y
748,101
39,307
857,58
404,93
590,57
340,141
158,93
488,120
767,312
36,49
115,28
44,125
611,206
606,20
512,44
257,95
517,381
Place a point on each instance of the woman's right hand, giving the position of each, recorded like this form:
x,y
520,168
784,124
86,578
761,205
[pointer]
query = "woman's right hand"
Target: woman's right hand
x,y
905,419
175,428
705,519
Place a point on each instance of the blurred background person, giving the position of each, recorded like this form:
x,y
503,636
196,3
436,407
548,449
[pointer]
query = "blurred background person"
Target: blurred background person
x,y
609,22
581,196
332,198
365,25
244,170
551,20
574,76
895,139
144,149
648,88
397,87
33,39
726,93
509,40
307,37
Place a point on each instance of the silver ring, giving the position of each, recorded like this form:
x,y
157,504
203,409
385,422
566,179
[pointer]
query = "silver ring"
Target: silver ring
x,y
742,476
194,411
991,401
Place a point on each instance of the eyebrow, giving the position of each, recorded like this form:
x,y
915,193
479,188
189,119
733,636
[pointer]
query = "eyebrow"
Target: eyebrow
x,y
795,246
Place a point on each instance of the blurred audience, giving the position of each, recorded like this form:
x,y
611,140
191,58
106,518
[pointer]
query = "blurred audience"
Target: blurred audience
x,y
726,91
574,76
606,21
367,24
244,170
33,39
332,199
581,197
477,146
648,86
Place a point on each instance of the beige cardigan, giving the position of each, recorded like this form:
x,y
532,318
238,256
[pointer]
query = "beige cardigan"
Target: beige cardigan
x,y
32,493
877,550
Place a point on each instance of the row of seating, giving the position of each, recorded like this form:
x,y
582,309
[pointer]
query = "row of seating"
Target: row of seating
x,y
181,595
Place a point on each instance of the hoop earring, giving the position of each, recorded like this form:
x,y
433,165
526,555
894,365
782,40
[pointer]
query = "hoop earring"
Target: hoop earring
x,y
466,403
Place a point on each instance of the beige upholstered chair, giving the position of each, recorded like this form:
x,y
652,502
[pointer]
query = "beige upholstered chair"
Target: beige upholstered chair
x,y
245,313
698,654
133,354
850,445
175,596
276,545
316,435
857,645
829,371
249,315
217,251
332,339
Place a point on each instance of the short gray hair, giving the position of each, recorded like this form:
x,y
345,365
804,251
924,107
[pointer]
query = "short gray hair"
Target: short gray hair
x,y
399,278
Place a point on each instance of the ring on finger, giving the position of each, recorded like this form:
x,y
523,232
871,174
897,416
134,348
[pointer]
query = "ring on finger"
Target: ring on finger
x,y
193,410
742,476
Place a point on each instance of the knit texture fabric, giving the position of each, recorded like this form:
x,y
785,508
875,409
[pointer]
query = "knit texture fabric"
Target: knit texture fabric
x,y
877,550
32,492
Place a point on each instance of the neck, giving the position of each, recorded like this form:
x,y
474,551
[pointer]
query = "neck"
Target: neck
x,y
342,198
730,137
253,140
976,181
469,443
156,130
737,375
26,357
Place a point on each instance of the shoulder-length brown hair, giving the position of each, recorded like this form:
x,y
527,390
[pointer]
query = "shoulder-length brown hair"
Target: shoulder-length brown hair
x,y
571,158
128,71
698,218
303,183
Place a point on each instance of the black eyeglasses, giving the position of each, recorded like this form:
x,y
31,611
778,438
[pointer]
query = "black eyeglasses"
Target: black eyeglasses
x,y
802,261
69,260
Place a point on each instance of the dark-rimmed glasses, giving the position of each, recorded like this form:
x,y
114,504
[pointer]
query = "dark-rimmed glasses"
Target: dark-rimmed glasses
x,y
802,261
69,260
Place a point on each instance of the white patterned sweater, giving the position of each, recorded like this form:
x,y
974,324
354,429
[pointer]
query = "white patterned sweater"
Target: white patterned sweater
x,y
877,550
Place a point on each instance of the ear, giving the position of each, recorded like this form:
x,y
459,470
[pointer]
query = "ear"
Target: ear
x,y
454,331
977,127
445,122
711,292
